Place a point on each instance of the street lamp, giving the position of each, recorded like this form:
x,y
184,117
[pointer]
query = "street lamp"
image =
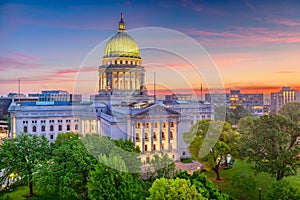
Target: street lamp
x,y
259,193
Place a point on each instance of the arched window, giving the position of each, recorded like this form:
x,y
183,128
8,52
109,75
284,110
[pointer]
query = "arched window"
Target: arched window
x,y
163,135
51,128
76,127
43,129
154,136
25,130
60,127
68,127
172,124
34,129
171,135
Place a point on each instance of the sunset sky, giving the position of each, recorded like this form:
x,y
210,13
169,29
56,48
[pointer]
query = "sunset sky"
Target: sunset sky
x,y
255,45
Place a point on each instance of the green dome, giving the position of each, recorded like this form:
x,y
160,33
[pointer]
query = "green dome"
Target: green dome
x,y
121,45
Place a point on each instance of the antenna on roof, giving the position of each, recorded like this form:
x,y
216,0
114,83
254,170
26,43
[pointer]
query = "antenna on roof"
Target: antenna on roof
x,y
201,92
154,87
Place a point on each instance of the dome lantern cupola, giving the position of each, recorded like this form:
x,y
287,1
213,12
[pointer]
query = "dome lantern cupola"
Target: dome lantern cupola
x,y
121,48
122,24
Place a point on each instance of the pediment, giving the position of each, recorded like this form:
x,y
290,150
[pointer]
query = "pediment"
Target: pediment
x,y
157,110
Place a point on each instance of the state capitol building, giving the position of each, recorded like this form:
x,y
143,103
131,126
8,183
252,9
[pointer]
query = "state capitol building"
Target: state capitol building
x,y
121,109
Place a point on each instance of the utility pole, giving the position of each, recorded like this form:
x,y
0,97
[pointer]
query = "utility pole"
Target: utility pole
x,y
154,87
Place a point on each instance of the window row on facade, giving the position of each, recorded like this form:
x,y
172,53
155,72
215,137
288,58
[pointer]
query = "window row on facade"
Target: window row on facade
x,y
155,147
51,128
155,136
156,125
50,121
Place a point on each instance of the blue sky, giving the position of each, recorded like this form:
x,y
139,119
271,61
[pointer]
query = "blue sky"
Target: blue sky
x,y
255,44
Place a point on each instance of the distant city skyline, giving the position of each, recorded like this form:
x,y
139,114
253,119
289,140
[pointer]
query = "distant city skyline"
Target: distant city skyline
x,y
254,44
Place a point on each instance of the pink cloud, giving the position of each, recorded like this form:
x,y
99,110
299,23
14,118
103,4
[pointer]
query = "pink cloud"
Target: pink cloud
x,y
75,71
244,36
287,22
18,60
198,7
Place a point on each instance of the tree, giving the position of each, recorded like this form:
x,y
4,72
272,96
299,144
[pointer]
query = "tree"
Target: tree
x,y
162,166
271,145
22,156
67,172
210,141
99,145
291,111
236,114
204,186
245,124
283,190
216,157
173,189
243,182
107,183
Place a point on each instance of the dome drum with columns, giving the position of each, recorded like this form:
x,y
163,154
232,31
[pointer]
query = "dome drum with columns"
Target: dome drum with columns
x,y
121,74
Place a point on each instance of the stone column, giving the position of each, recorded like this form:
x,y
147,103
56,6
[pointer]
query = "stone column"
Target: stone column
x,y
130,81
143,138
137,81
104,82
160,137
118,81
99,127
124,85
100,81
134,81
151,137
83,127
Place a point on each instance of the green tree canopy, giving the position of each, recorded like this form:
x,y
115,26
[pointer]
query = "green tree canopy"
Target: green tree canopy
x,y
173,189
244,124
243,182
283,190
234,115
204,186
99,145
162,166
271,145
22,156
66,174
210,141
291,111
107,183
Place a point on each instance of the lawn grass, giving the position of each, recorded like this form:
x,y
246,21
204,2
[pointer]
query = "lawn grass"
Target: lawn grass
x,y
187,160
263,181
20,192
